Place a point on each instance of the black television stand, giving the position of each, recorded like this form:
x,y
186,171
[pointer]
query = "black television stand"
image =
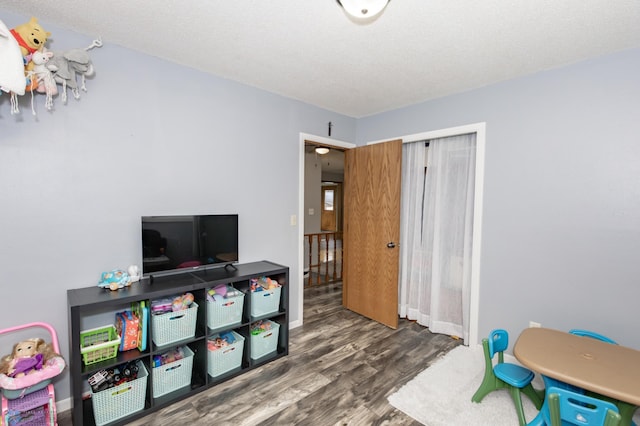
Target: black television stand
x,y
93,304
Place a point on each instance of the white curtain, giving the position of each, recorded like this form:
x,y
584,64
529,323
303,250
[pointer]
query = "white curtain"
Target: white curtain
x,y
436,229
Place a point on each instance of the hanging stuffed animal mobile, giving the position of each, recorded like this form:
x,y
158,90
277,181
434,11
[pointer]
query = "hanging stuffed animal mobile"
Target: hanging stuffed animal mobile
x,y
67,66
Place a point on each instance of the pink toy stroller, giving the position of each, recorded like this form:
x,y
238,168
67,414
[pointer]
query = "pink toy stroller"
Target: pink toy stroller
x,y
30,398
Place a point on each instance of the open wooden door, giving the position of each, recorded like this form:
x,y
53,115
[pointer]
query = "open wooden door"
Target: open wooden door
x,y
372,177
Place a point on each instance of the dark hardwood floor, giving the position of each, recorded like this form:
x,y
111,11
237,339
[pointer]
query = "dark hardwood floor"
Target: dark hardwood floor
x,y
340,369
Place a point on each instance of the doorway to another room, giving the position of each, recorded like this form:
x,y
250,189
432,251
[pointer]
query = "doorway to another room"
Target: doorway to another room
x,y
324,176
471,327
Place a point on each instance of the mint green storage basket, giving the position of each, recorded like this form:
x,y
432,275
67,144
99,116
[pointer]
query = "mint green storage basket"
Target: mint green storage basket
x,y
173,375
120,401
172,327
266,342
225,312
227,358
265,302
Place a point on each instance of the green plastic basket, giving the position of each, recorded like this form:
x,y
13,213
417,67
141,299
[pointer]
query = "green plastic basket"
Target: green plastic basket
x,y
99,344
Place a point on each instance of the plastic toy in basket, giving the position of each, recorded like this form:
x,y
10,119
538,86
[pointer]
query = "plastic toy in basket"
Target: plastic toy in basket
x,y
172,304
16,383
114,403
168,357
105,379
225,339
263,283
221,292
260,327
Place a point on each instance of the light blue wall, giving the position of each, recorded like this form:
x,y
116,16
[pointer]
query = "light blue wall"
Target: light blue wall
x,y
148,138
561,231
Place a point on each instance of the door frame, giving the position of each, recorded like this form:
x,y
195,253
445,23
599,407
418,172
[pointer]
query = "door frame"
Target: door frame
x,y
480,130
333,143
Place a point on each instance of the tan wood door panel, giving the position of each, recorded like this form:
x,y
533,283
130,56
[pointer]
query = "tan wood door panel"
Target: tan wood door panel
x,y
371,231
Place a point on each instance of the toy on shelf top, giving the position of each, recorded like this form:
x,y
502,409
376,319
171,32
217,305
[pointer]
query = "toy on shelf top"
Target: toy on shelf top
x,y
134,273
114,279
118,278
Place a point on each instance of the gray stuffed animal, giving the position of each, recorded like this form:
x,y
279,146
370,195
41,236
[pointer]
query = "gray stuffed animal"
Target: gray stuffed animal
x,y
67,66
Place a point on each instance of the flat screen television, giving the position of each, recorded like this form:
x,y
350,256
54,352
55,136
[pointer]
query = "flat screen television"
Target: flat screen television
x,y
171,244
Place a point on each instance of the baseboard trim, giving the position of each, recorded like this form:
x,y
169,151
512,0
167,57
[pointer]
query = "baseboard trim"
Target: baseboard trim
x,y
63,405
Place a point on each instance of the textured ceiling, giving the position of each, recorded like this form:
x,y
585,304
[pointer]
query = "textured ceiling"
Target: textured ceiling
x,y
309,50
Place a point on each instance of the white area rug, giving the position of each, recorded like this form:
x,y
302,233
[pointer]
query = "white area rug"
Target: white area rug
x,y
441,394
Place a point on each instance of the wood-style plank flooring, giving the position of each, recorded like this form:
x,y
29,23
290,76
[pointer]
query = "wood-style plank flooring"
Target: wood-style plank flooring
x,y
340,370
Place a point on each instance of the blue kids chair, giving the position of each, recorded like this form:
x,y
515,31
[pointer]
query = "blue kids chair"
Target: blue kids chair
x,y
593,335
505,375
569,408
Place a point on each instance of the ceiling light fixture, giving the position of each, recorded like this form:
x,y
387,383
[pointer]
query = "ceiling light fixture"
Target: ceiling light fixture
x,y
322,150
363,9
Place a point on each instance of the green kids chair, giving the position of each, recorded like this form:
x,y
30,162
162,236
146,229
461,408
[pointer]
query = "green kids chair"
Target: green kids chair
x,y
515,378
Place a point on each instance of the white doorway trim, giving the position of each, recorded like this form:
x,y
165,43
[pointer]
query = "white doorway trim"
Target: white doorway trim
x,y
300,287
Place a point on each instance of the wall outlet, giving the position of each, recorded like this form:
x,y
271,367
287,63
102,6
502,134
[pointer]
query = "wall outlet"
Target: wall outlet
x,y
534,324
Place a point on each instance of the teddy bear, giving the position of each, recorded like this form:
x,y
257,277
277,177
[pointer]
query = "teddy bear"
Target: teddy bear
x,y
31,37
27,356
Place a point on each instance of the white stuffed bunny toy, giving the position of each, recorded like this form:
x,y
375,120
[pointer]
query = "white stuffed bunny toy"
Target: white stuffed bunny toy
x,y
43,76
